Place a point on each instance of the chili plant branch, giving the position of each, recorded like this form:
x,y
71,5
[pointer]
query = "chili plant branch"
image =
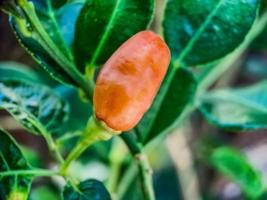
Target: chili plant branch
x,y
93,133
53,148
49,141
143,165
33,172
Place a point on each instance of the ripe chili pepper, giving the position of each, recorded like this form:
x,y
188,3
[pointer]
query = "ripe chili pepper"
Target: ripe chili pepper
x,y
130,79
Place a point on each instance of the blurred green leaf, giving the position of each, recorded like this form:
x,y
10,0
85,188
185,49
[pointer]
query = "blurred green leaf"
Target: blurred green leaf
x,y
16,71
234,165
260,43
43,193
11,159
50,42
198,32
175,94
88,190
19,71
236,109
31,156
35,106
104,25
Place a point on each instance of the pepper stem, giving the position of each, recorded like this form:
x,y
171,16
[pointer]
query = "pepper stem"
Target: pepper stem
x,y
144,167
146,175
94,132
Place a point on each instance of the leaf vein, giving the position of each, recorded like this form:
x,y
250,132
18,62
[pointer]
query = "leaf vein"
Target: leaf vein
x,y
196,36
106,33
5,161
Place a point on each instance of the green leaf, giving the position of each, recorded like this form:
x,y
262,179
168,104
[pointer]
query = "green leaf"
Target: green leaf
x,y
88,190
32,156
35,106
104,25
39,54
198,32
49,38
11,159
80,111
236,109
58,19
44,193
16,71
234,165
175,94
260,43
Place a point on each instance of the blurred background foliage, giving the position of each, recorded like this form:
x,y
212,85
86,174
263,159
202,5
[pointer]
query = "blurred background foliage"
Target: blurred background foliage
x,y
180,172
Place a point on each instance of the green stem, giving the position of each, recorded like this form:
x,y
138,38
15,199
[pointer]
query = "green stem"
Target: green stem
x,y
146,175
49,141
143,165
94,132
53,147
76,153
35,173
68,136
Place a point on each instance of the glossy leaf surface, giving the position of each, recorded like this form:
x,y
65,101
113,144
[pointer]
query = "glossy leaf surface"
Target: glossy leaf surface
x,y
198,32
175,94
88,190
35,106
50,41
16,71
104,25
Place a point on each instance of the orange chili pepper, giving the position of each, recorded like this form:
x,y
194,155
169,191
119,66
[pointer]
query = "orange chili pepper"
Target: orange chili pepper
x,y
130,80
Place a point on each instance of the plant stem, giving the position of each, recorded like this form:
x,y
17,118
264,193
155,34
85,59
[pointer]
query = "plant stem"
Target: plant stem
x,y
50,142
76,153
146,176
67,136
34,172
94,132
53,147
143,165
